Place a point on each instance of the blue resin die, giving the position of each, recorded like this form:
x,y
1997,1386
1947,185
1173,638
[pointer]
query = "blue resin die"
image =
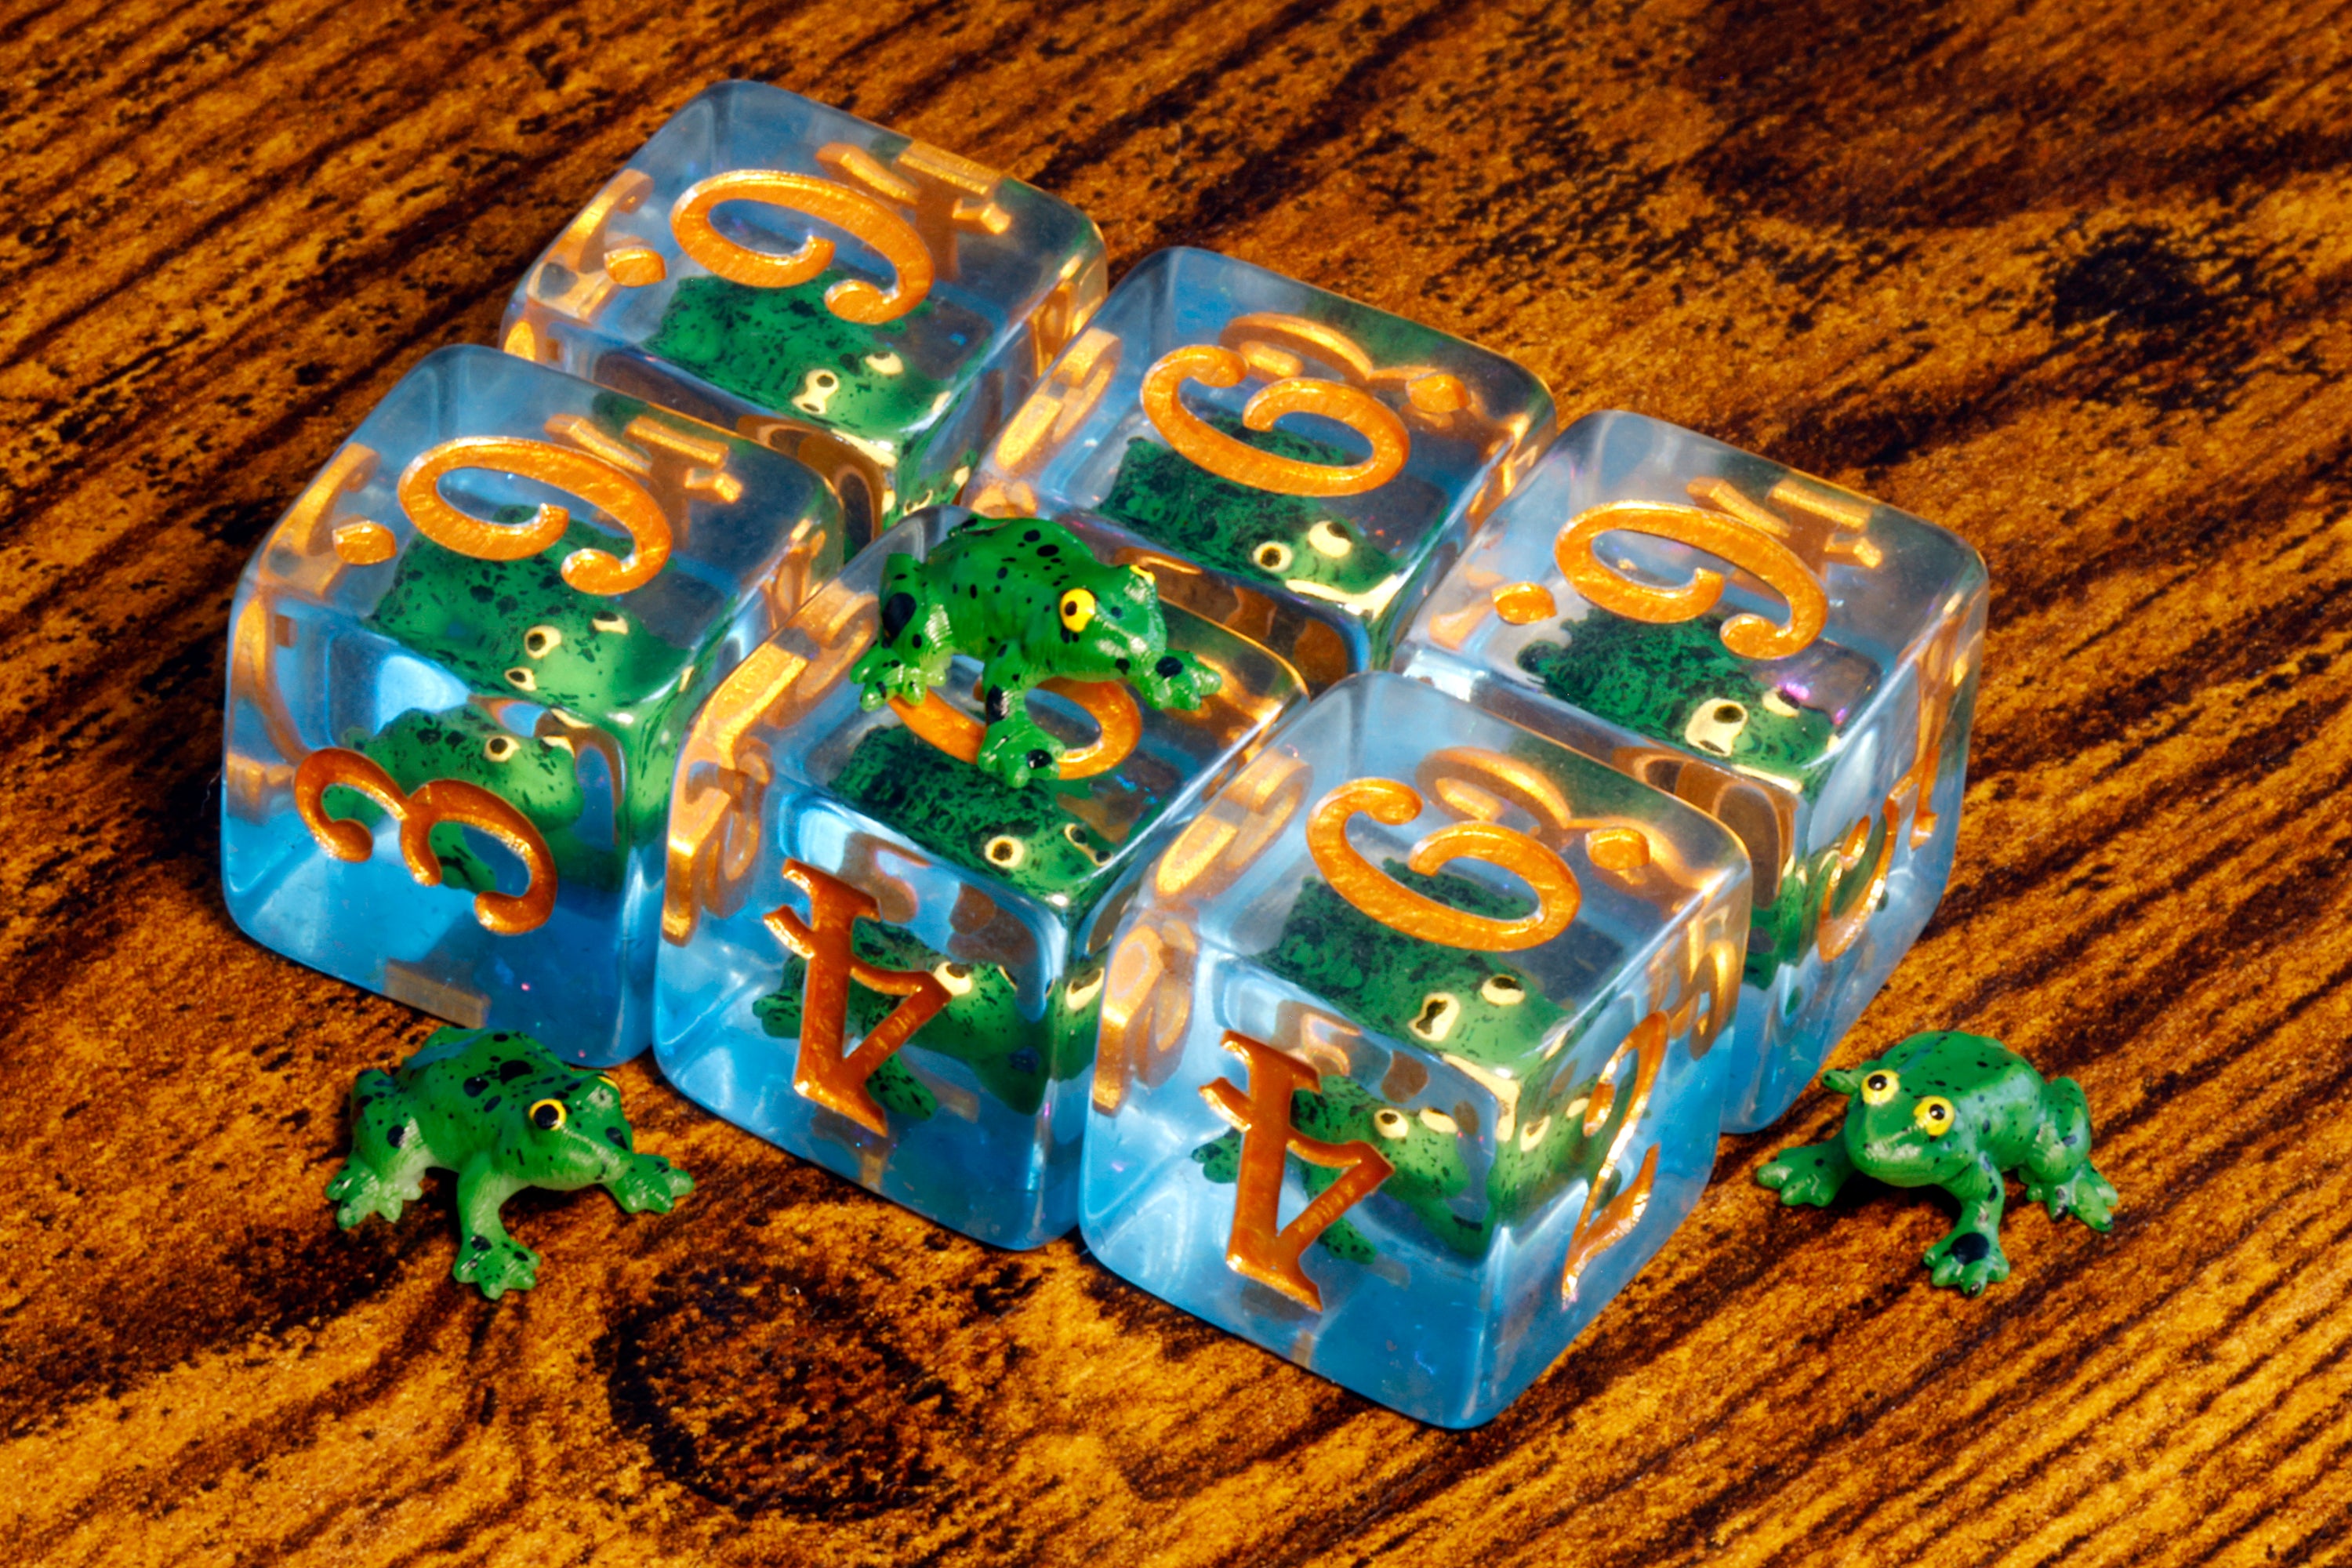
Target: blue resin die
x,y
1290,464
1796,659
889,961
460,669
870,305
1415,1049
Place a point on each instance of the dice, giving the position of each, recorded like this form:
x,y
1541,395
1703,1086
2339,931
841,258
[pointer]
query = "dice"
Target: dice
x,y
1794,658
869,304
461,667
1413,1047
1292,464
884,932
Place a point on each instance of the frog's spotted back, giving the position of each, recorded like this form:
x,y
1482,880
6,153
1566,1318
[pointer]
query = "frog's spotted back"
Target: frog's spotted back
x,y
1955,1111
504,1113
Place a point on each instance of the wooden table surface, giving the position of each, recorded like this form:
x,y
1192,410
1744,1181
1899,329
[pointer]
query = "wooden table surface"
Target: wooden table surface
x,y
2072,277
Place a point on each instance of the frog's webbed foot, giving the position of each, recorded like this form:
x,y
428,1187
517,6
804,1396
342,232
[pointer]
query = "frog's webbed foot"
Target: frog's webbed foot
x,y
1176,679
649,1182
358,1191
884,676
1810,1174
1966,1260
2084,1194
1017,746
495,1265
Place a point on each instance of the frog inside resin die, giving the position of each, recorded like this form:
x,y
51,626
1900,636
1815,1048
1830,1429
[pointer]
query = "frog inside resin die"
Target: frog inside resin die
x,y
871,305
1290,464
1797,659
888,959
1413,1048
460,669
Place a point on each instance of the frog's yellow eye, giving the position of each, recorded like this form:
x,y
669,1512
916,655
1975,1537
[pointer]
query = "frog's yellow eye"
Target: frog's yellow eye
x,y
1077,609
522,679
1329,539
1077,836
1503,990
1716,726
547,1115
1082,989
1934,1116
1273,555
541,641
1438,1011
617,625
956,977
499,748
1879,1088
1390,1122
1006,851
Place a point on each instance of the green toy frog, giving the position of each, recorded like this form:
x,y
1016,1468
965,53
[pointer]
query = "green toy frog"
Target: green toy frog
x,y
1021,835
1013,1057
537,777
1678,683
1286,541
516,630
1447,999
1028,599
784,350
502,1111
1955,1110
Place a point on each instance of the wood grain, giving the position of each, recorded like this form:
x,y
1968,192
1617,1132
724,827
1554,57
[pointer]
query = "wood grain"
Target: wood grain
x,y
2068,276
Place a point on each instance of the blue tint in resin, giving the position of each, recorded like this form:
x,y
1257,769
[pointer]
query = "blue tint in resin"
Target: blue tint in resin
x,y
1488,976
1289,463
1829,730
982,907
869,304
515,729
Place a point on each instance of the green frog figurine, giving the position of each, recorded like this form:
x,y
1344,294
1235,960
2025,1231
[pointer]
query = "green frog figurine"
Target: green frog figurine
x,y
1027,599
504,1113
1955,1111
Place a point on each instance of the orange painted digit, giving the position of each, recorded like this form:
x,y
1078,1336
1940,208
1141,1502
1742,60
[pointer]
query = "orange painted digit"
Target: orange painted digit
x,y
1398,906
1219,453
433,803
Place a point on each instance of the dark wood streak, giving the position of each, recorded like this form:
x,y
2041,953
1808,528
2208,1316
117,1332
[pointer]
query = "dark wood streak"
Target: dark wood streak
x,y
2062,275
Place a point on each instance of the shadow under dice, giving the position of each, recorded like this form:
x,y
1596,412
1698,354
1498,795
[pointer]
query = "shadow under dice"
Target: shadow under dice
x,y
1286,462
866,303
1798,660
1408,1057
461,668
884,941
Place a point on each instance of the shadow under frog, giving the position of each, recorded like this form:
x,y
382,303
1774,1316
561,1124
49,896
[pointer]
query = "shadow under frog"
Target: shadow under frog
x,y
1257,535
784,351
1013,1057
1474,1006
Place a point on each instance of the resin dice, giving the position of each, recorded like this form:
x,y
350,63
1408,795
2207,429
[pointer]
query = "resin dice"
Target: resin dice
x,y
1290,464
1796,659
460,669
870,305
887,958
1413,1048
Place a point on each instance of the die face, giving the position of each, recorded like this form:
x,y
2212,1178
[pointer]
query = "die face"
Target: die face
x,y
447,762
1820,708
1408,1057
1373,445
869,304
832,869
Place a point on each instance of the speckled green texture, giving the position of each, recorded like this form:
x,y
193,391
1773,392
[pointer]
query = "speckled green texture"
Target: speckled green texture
x,y
1256,535
1028,599
785,350
504,1114
1678,684
1998,1116
1024,837
1470,1005
1014,1057
538,779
